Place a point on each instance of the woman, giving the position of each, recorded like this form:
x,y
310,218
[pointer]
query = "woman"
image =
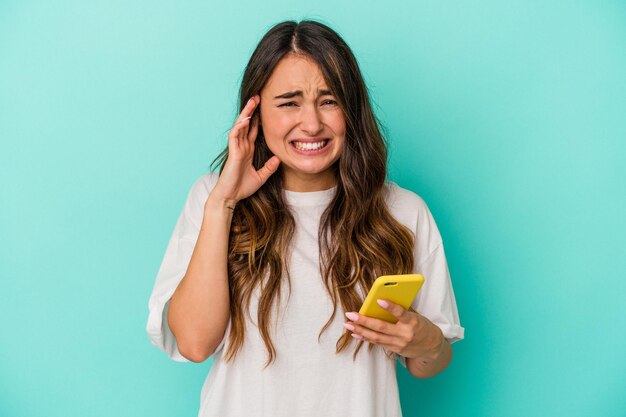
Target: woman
x,y
294,229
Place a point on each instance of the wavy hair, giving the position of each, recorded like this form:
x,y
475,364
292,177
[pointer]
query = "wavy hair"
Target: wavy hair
x,y
358,237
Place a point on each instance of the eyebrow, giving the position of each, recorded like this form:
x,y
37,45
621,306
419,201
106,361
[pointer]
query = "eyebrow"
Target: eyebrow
x,y
298,93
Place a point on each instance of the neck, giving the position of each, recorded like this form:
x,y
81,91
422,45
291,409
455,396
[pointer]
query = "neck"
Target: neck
x,y
299,182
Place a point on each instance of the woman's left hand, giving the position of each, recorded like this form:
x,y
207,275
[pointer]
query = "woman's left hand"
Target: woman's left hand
x,y
413,336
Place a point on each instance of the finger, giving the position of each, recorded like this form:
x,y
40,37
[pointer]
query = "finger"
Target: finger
x,y
248,109
234,137
245,111
243,131
396,309
372,336
387,347
393,343
256,117
372,323
268,168
236,131
254,129
391,348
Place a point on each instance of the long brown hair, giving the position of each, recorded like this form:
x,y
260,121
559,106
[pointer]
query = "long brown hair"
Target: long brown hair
x,y
358,237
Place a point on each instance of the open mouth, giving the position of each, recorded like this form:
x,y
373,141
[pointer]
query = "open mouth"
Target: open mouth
x,y
310,146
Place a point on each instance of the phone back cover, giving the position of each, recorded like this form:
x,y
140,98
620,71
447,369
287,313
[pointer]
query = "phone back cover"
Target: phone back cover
x,y
403,293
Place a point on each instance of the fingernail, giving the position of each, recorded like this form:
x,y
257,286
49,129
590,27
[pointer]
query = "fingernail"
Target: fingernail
x,y
348,326
383,303
352,316
357,336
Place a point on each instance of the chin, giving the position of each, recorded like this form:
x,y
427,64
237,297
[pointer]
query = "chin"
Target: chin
x,y
309,169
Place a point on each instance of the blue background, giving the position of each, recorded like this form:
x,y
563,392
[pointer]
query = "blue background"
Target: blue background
x,y
507,117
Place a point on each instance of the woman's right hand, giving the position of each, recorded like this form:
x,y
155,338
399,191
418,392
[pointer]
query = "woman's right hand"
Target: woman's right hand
x,y
239,179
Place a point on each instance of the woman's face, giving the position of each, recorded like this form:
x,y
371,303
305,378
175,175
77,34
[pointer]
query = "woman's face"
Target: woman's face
x,y
302,123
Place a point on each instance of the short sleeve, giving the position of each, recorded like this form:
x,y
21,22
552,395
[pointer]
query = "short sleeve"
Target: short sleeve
x,y
435,300
174,266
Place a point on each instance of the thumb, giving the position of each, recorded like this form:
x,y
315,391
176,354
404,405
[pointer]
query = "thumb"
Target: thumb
x,y
269,168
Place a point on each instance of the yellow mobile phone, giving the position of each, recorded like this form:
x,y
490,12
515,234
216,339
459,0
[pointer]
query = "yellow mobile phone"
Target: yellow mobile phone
x,y
399,289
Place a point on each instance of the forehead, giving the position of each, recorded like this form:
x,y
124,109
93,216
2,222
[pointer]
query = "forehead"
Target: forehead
x,y
296,72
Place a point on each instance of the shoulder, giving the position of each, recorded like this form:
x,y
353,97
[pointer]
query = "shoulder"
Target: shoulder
x,y
402,198
203,185
197,196
410,209
405,205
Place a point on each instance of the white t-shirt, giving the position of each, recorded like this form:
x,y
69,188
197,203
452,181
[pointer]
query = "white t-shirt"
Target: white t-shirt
x,y
307,378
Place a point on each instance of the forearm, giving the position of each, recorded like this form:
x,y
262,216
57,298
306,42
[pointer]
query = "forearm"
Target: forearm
x,y
200,307
436,360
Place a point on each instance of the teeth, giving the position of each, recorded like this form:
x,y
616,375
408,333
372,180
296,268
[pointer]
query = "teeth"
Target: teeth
x,y
309,146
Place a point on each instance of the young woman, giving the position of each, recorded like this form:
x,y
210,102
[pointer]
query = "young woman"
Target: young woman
x,y
269,253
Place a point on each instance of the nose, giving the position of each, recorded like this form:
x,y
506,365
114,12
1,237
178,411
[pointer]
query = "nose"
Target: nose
x,y
310,121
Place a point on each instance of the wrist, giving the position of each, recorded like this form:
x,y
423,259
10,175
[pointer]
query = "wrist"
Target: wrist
x,y
436,344
218,211
215,203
